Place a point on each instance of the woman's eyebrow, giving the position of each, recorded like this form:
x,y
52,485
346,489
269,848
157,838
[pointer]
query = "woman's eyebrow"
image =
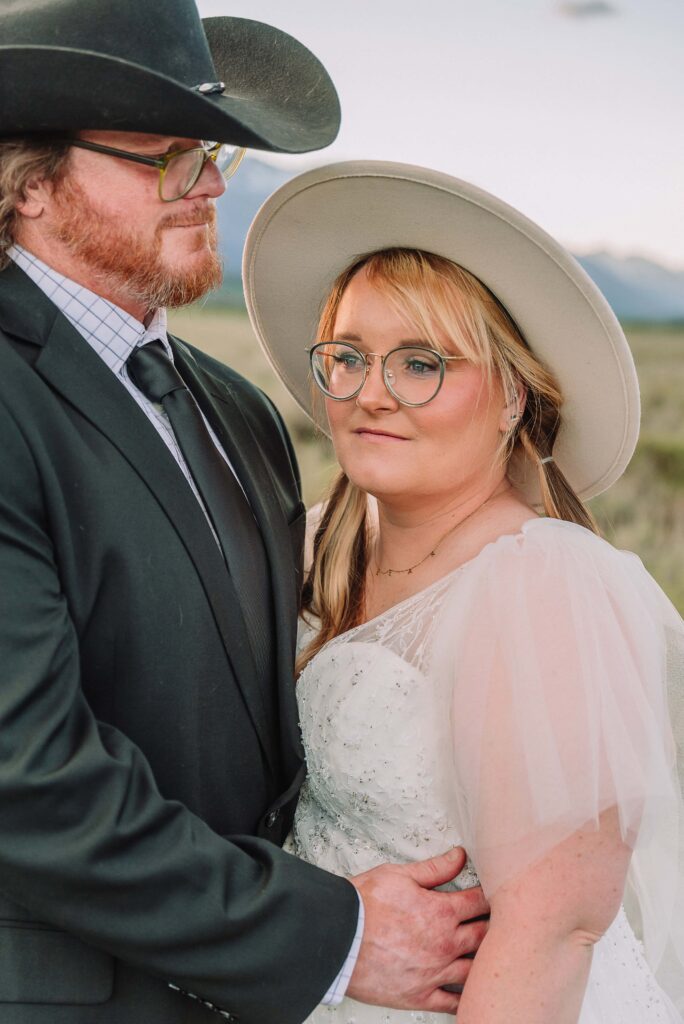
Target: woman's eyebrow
x,y
404,343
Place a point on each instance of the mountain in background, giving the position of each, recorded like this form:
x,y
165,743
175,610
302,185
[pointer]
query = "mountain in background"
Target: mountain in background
x,y
638,289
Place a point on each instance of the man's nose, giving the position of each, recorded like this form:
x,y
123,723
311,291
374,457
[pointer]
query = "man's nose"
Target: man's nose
x,y
210,183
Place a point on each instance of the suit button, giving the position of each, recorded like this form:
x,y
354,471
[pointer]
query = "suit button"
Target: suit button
x,y
271,818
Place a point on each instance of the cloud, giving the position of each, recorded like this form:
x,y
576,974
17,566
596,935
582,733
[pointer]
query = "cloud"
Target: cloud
x,y
587,9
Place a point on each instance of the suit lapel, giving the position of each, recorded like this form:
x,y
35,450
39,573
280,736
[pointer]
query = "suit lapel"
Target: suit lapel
x,y
77,373
223,410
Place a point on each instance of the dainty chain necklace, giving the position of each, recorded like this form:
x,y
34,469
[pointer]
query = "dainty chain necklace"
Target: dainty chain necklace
x,y
430,554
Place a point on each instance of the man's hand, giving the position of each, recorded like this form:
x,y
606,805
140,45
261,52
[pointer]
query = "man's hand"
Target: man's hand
x,y
416,940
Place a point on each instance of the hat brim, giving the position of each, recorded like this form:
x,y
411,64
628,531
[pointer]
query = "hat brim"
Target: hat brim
x,y
318,223
278,96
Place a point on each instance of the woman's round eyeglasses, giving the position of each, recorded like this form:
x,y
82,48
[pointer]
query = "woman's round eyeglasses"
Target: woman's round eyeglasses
x,y
179,170
412,374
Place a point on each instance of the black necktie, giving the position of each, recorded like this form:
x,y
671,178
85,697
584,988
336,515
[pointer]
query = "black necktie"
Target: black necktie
x,y
154,374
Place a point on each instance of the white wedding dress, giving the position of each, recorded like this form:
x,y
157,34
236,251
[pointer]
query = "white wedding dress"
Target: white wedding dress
x,y
501,708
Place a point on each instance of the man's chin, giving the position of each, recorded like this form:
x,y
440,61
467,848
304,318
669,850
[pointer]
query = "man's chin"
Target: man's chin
x,y
187,283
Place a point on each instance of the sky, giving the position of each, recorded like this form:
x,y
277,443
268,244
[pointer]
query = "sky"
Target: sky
x,y
571,111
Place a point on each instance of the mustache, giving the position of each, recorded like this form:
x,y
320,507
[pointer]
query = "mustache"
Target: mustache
x,y
190,218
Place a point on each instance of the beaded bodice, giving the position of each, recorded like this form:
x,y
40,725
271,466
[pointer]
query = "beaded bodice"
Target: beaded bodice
x,y
377,732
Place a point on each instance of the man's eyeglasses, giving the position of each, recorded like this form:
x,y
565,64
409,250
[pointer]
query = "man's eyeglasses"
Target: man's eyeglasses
x,y
412,374
178,171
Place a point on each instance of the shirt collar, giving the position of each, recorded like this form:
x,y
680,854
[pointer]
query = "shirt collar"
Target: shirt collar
x,y
109,330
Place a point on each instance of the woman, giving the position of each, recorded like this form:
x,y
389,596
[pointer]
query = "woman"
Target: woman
x,y
472,671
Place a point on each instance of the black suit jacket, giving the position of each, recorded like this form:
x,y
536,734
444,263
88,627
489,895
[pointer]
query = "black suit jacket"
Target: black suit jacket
x,y
142,769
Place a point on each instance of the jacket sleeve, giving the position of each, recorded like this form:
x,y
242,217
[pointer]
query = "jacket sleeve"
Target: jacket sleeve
x,y
88,844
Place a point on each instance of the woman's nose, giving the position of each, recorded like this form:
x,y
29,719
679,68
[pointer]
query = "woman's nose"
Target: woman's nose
x,y
374,395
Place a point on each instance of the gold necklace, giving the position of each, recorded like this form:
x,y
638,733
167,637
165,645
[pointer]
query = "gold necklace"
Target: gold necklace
x,y
430,554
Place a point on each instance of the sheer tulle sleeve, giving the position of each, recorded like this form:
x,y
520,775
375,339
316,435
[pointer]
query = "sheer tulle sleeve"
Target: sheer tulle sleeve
x,y
561,651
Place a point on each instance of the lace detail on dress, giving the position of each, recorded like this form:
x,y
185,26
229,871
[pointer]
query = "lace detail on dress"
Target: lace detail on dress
x,y
396,627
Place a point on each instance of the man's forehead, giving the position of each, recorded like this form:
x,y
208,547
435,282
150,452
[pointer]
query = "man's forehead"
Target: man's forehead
x,y
138,141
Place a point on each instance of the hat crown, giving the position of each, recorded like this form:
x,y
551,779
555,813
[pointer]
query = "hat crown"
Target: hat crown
x,y
165,36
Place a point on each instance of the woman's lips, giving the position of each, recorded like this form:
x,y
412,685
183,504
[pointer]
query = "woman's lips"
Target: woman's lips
x,y
378,436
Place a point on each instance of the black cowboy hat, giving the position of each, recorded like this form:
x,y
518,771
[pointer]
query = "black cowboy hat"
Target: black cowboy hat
x,y
154,66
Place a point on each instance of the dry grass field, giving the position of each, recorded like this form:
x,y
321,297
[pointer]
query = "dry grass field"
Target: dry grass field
x,y
643,512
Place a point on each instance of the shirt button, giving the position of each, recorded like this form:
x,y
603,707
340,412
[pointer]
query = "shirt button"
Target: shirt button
x,y
271,818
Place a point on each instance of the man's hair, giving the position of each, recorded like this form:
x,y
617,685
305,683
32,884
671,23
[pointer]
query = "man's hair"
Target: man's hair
x,y
21,161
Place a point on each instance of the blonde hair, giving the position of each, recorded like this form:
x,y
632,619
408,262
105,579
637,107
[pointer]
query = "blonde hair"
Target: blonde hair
x,y
438,298
21,161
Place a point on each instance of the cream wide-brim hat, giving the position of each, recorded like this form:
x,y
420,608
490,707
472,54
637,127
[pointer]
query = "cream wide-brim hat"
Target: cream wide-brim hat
x,y
320,222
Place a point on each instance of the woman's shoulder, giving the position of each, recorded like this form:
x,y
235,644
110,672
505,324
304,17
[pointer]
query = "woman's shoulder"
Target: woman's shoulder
x,y
541,542
552,562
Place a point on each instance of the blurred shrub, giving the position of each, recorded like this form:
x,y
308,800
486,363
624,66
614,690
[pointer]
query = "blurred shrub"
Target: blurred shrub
x,y
664,457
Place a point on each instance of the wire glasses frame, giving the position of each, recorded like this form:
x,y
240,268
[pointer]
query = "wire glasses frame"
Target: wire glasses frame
x,y
186,164
408,370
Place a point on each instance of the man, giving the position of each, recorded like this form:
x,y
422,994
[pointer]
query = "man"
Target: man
x,y
150,542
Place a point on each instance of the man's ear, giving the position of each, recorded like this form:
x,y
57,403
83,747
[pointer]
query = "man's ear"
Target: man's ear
x,y
37,194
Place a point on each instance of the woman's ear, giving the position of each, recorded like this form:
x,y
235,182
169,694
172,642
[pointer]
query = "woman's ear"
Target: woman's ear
x,y
511,413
